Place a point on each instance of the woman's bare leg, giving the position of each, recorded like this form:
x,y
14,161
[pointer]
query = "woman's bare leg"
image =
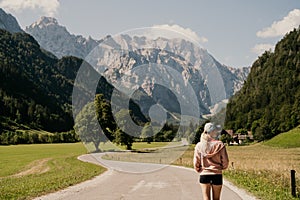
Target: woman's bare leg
x,y
205,191
216,191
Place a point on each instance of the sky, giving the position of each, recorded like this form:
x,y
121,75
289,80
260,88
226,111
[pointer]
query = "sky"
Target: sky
x,y
234,32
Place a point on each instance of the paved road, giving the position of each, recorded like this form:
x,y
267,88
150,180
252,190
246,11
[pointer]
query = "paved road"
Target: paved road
x,y
138,181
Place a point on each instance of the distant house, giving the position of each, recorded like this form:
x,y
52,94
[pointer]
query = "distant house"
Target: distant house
x,y
237,137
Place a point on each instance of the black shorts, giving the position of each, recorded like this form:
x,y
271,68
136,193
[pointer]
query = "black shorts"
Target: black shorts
x,y
214,179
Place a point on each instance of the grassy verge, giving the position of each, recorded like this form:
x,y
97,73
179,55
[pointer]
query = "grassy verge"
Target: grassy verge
x,y
28,171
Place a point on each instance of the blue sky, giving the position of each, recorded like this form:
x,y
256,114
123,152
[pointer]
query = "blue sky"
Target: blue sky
x,y
235,32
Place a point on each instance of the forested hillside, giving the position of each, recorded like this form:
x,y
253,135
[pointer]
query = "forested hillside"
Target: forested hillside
x,y
36,87
269,102
31,89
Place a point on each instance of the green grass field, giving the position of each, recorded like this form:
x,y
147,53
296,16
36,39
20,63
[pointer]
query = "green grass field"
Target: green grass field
x,y
290,139
28,171
264,170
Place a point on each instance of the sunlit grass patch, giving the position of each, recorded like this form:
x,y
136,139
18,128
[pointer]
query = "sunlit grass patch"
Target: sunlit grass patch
x,y
290,139
28,171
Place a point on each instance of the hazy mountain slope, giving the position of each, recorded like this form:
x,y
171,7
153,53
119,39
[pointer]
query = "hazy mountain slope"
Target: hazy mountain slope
x,y
9,22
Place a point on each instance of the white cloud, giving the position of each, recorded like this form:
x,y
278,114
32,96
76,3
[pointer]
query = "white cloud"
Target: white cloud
x,y
48,7
261,48
187,32
280,28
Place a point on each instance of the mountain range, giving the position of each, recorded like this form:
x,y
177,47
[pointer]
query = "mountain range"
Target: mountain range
x,y
211,81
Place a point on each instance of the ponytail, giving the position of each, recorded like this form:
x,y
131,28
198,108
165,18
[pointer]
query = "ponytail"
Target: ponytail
x,y
204,143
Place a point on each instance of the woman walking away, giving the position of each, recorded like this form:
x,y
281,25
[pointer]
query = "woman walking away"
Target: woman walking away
x,y
210,158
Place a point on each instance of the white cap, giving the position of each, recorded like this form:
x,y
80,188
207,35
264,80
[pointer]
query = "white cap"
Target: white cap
x,y
209,127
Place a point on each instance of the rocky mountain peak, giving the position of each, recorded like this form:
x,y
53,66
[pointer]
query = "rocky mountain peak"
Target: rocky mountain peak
x,y
57,39
45,21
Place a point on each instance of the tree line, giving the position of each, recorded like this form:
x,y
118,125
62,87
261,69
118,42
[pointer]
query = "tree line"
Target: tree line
x,y
29,137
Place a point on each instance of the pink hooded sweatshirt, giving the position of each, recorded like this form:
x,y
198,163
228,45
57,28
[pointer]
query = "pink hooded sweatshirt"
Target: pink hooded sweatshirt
x,y
214,161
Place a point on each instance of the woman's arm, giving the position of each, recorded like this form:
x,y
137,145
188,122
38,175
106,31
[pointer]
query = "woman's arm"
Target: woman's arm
x,y
197,160
224,158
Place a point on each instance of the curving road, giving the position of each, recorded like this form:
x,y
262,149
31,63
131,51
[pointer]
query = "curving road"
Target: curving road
x,y
136,181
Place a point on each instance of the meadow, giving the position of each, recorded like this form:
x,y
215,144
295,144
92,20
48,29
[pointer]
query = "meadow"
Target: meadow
x,y
268,166
264,170
28,171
